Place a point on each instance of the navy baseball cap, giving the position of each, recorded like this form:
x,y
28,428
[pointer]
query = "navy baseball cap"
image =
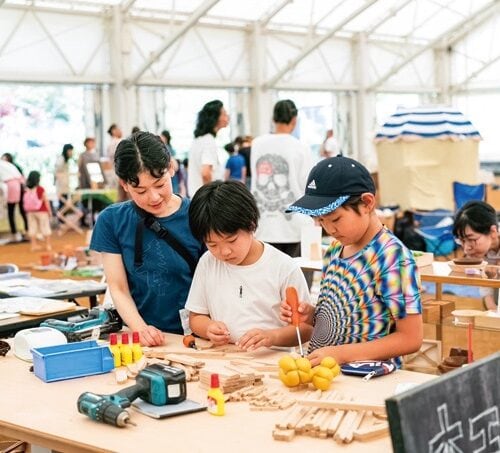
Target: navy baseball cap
x,y
330,184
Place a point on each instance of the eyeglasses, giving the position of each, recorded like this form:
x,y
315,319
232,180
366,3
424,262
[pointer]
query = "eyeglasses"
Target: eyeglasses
x,y
471,241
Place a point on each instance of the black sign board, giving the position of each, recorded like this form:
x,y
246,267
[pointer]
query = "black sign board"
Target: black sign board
x,y
456,413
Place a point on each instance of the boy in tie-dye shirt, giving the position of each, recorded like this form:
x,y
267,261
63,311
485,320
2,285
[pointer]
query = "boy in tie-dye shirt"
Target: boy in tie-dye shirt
x,y
369,306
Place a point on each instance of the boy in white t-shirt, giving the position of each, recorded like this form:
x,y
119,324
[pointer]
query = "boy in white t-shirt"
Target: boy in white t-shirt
x,y
240,282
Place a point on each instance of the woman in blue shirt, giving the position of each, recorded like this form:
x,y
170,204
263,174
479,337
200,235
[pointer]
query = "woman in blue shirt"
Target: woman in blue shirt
x,y
148,279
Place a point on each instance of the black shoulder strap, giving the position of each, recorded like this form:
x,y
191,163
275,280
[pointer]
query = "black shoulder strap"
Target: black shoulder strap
x,y
151,222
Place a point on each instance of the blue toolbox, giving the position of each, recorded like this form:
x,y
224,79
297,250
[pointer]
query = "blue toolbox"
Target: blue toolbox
x,y
72,360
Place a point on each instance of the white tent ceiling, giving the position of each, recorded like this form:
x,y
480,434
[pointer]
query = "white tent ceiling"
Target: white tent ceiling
x,y
436,48
306,43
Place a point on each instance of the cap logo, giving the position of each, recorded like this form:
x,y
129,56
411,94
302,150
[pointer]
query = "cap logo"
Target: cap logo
x,y
312,185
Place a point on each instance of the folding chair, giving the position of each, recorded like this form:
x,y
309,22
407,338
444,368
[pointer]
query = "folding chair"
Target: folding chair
x,y
431,218
438,239
70,216
462,193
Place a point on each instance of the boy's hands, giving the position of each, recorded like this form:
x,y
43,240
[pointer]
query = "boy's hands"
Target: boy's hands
x,y
306,312
151,336
256,338
319,354
218,333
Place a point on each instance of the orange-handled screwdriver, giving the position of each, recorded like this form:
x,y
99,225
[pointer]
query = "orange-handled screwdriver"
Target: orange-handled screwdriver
x,y
189,341
292,299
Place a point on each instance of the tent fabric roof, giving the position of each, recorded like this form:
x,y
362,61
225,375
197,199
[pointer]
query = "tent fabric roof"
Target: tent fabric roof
x,y
422,123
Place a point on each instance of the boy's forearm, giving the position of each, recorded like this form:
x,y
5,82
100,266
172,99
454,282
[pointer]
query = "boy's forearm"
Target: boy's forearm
x,y
401,342
287,336
199,324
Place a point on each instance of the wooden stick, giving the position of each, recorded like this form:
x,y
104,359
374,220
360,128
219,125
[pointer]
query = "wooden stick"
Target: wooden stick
x,y
349,433
372,432
348,420
336,420
345,405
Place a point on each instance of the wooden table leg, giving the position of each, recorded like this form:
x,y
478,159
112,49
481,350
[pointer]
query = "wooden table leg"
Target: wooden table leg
x,y
439,291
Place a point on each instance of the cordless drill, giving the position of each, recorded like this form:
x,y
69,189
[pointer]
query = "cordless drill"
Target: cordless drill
x,y
156,384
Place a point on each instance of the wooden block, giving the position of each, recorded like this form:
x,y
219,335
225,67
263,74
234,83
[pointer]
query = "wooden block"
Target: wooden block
x,y
121,375
431,313
284,434
430,331
445,307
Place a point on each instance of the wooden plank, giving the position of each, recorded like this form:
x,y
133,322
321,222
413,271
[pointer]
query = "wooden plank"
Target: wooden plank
x,y
345,405
431,313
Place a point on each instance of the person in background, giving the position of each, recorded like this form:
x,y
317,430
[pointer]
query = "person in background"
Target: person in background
x,y
39,211
116,136
15,193
148,279
178,183
62,174
244,147
330,146
254,275
280,165
184,170
203,156
235,165
88,156
167,139
476,228
369,305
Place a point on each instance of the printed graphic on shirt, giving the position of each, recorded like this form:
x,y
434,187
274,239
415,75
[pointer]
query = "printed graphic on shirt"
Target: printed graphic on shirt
x,y
273,185
361,297
158,279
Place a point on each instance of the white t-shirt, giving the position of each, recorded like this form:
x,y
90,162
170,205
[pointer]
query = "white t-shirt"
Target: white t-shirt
x,y
245,297
8,171
280,166
112,147
203,152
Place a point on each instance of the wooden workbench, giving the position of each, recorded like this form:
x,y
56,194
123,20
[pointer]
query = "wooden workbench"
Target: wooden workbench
x,y
45,414
440,273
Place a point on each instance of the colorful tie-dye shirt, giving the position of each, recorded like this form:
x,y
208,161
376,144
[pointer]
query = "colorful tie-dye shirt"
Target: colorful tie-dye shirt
x,y
362,296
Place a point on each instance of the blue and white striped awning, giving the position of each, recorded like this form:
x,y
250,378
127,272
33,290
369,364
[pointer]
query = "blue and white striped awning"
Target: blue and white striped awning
x,y
421,123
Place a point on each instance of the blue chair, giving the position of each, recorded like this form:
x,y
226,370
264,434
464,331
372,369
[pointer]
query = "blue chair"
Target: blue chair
x,y
462,193
438,239
431,218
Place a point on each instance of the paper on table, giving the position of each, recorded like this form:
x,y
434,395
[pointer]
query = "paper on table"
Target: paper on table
x,y
8,315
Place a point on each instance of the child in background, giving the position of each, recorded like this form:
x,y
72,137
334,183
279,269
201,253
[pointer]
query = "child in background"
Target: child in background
x,y
235,165
240,282
476,229
369,306
38,209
